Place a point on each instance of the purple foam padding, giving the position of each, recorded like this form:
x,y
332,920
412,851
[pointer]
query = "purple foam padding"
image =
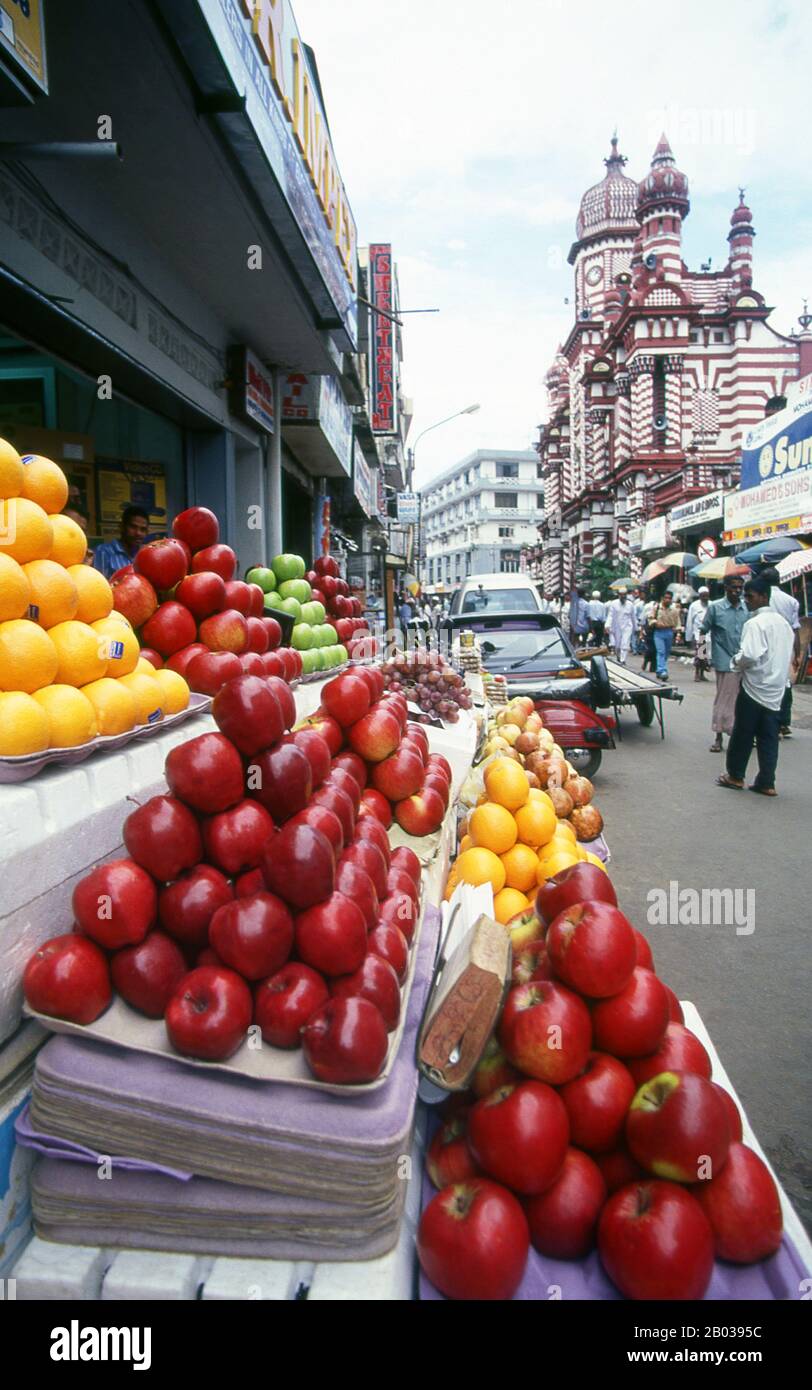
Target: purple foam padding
x,y
776,1278
49,1146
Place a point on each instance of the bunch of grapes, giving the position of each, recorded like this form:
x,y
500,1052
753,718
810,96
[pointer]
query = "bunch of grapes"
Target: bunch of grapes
x,y
429,680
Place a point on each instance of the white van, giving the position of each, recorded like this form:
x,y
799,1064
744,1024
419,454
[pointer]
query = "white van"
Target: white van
x,y
496,593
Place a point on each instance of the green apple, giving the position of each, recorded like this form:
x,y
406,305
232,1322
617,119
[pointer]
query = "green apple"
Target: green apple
x,y
273,600
265,578
309,661
302,637
293,607
310,614
320,612
288,567
318,659
343,654
330,637
296,588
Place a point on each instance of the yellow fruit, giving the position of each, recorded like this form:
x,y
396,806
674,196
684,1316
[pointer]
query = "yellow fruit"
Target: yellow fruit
x,y
11,474
44,482
548,868
593,859
493,827
28,657
174,690
15,590
530,929
145,668
521,863
95,597
80,652
536,823
147,695
565,831
507,903
465,843
23,724
53,593
479,865
26,531
506,783
451,885
69,543
116,710
119,644
71,716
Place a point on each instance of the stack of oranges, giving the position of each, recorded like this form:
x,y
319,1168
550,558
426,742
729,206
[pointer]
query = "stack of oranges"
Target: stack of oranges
x,y
514,841
70,667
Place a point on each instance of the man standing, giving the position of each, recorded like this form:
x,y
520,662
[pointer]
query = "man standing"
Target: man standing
x,y
579,617
723,622
763,659
596,611
694,633
114,555
622,622
790,609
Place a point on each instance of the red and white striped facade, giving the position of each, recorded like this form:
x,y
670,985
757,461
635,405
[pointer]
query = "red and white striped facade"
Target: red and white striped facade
x,y
662,371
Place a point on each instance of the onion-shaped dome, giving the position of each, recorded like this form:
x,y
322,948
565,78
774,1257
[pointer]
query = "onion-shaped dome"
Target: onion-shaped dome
x,y
664,184
609,205
741,215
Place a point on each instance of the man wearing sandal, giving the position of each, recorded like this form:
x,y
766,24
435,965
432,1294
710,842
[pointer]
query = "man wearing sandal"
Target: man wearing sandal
x,y
723,621
763,659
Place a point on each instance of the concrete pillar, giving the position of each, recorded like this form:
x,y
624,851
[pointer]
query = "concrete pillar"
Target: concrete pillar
x,y
274,472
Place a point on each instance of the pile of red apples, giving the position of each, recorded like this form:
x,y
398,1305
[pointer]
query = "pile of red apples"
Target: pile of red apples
x,y
193,616
592,1120
344,611
260,890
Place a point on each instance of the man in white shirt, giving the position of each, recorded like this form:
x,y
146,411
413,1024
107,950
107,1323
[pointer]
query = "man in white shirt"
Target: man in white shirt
x,y
763,659
621,624
790,609
695,635
597,617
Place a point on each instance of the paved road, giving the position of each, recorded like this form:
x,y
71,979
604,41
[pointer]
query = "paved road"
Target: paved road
x,y
666,820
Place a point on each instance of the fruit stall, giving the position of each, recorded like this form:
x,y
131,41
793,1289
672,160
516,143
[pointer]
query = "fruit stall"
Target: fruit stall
x,y
327,979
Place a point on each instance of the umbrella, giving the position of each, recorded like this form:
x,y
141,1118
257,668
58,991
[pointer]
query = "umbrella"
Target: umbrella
x,y
798,562
623,584
720,568
678,560
682,593
768,552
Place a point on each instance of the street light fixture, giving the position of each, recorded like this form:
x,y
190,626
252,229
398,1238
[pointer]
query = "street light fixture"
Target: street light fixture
x,y
466,410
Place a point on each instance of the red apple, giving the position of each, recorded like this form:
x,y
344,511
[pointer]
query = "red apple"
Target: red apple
x,y
597,1103
473,1241
290,662
209,1014
519,1135
376,735
257,638
154,658
179,661
436,782
644,957
225,631
256,602
163,836
376,980
415,746
235,839
340,777
331,936
592,948
187,550
345,1041
398,776
580,883
618,1168
677,1127
197,526
373,678
251,665
563,1219
679,1050
147,975
388,942
655,1242
632,1024
170,629
545,1031
206,773
530,962
248,713
285,1001
254,936
134,596
492,1071
203,594
346,698
398,881
249,883
315,750
337,801
285,698
437,760
274,631
448,1159
405,859
115,904
370,828
186,907
238,596
325,564
357,884
208,673
369,858
281,779
299,865
68,977
273,665
674,1006
163,563
743,1207
375,804
208,956
733,1112
320,818
220,558
421,814
402,912
350,762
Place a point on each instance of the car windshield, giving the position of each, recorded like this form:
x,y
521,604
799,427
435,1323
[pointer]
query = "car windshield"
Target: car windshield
x,y
500,601
501,648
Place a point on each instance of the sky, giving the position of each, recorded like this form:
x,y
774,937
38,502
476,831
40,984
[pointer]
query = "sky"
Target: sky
x,y
467,131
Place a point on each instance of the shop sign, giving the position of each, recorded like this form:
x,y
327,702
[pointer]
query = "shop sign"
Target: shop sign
x,y
335,420
698,511
362,484
782,506
383,373
381,494
22,40
267,62
408,507
252,389
634,537
656,534
781,444
122,482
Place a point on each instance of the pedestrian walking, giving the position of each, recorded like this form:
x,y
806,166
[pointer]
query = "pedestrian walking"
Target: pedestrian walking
x,y
666,622
579,617
763,659
596,611
622,623
723,622
696,636
789,608
405,611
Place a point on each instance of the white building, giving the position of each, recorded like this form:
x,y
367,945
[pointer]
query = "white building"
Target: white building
x,y
478,515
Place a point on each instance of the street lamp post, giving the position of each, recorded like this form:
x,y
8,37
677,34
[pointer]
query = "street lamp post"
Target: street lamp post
x,y
467,410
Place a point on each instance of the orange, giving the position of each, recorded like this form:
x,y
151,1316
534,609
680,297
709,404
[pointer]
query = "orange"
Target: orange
x,y
507,903
147,694
548,868
80,652
69,545
114,704
451,884
26,531
144,667
506,783
44,482
593,859
28,657
53,593
94,593
118,644
565,830
174,690
11,471
536,823
23,724
481,866
15,590
465,843
536,794
492,827
71,716
521,863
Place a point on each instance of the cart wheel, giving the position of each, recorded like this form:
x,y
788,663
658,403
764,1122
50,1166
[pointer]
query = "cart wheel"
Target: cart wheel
x,y
599,681
645,709
586,761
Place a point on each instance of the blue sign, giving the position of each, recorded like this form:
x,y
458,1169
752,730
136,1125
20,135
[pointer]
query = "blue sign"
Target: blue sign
x,y
781,444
